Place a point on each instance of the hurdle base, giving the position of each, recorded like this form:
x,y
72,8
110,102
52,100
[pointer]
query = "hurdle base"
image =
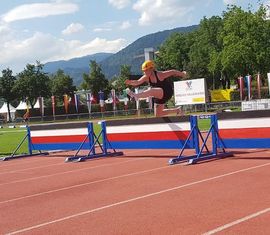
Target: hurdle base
x,y
195,158
181,159
22,156
209,157
84,158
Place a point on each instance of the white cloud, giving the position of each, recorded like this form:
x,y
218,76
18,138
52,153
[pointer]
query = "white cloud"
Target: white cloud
x,y
16,53
153,11
230,2
98,30
102,45
35,10
73,28
119,4
125,25
238,2
106,27
267,5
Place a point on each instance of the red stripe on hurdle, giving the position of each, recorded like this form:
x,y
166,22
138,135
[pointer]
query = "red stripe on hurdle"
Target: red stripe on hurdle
x,y
58,139
246,133
141,136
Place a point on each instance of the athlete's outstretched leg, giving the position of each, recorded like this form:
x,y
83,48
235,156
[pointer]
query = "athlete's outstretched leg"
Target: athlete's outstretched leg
x,y
151,92
160,111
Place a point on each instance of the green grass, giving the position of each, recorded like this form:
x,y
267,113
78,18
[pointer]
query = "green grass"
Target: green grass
x,y
204,124
10,139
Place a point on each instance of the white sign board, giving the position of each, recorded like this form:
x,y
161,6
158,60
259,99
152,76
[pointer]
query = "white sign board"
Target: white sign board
x,y
190,92
268,76
262,104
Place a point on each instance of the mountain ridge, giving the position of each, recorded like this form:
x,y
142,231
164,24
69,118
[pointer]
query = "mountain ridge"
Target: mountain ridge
x,y
132,55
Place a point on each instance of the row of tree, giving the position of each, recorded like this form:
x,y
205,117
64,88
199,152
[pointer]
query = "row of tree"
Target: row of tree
x,y
33,82
223,47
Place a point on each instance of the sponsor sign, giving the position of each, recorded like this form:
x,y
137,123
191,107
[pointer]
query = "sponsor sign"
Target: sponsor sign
x,y
221,95
190,92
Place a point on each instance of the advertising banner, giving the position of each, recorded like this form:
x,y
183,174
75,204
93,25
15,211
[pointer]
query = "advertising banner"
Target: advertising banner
x,y
268,76
221,95
190,92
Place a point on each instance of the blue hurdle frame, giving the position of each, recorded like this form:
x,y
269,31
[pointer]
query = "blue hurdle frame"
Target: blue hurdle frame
x,y
218,148
202,153
94,143
193,139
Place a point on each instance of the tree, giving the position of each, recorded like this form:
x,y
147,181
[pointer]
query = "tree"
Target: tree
x,y
245,41
174,52
95,80
204,51
118,83
62,84
32,83
7,82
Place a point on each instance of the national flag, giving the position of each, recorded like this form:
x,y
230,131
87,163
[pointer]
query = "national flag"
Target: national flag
x,y
41,105
89,101
248,82
66,102
259,85
76,101
241,87
53,105
101,100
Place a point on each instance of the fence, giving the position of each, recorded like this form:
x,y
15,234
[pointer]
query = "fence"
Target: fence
x,y
208,107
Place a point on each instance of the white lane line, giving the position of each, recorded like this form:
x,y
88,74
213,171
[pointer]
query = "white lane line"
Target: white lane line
x,y
71,171
241,220
85,184
81,169
32,168
135,199
50,157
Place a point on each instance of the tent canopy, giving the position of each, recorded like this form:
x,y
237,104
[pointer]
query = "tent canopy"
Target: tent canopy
x,y
22,106
37,106
4,108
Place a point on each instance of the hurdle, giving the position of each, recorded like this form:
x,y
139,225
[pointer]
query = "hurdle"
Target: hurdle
x,y
159,133
244,130
237,130
60,137
250,129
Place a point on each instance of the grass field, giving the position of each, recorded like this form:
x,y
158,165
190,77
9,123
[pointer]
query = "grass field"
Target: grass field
x,y
11,138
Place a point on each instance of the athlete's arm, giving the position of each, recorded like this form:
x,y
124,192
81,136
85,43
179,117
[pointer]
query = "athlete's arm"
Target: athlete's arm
x,y
171,73
138,82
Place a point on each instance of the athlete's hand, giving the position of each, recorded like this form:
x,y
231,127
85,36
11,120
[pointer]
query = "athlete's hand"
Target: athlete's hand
x,y
184,74
128,82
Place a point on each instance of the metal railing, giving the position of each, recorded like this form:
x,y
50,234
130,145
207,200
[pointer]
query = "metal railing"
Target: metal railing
x,y
208,107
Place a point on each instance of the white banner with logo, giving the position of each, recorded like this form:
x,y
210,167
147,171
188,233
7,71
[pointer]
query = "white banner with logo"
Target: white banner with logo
x,y
190,92
268,76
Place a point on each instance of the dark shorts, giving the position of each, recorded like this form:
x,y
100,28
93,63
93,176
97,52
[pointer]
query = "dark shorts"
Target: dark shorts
x,y
167,95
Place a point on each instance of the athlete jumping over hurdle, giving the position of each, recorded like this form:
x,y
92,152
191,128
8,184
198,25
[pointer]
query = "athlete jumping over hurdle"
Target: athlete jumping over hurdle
x,y
160,88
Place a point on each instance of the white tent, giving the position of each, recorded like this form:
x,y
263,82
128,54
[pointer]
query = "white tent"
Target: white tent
x,y
4,110
37,106
22,106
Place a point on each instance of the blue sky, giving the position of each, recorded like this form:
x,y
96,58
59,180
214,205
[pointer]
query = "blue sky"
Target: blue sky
x,y
49,30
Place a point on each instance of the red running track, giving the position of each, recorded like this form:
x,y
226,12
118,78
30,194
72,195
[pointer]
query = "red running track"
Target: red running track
x,y
136,195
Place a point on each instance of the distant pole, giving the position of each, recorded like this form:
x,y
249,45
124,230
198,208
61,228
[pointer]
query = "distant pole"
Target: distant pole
x,y
149,53
259,85
241,87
